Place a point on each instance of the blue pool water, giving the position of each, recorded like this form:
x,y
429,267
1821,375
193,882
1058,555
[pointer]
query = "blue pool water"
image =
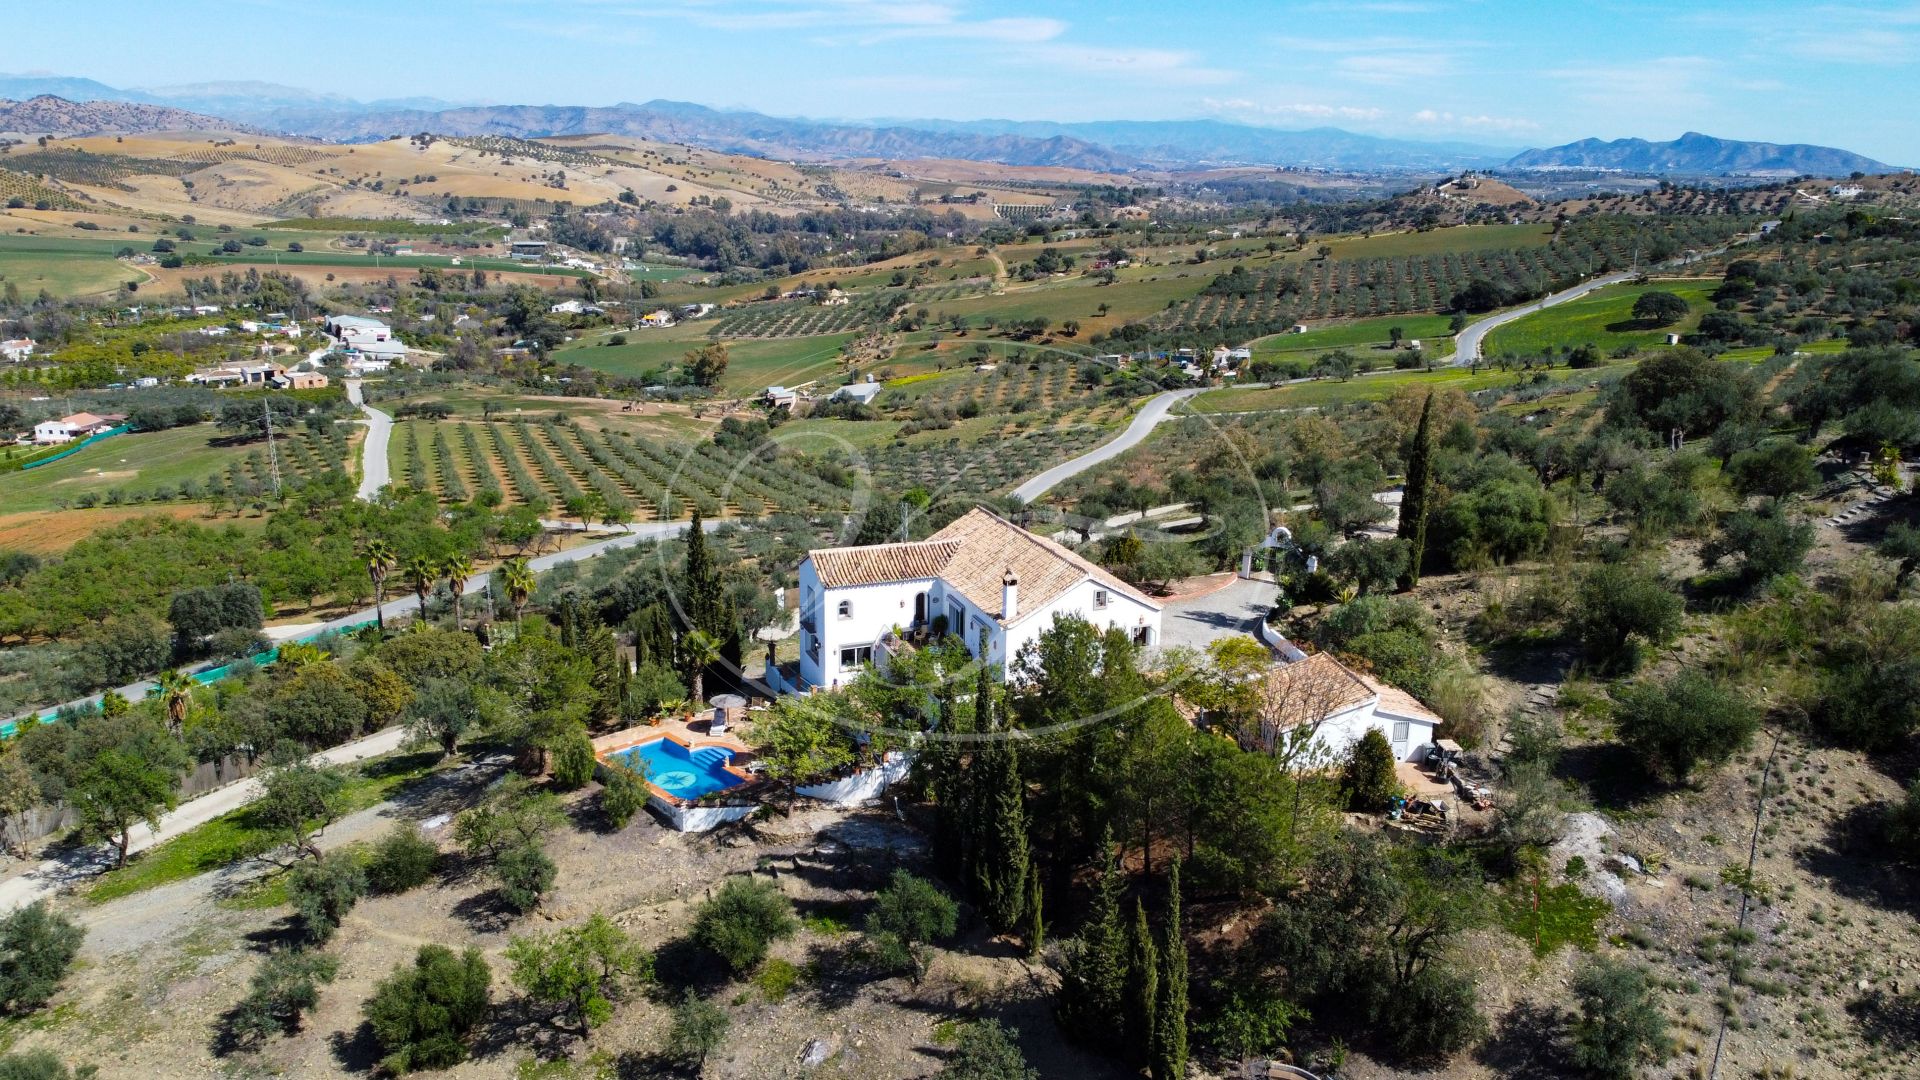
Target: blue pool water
x,y
672,769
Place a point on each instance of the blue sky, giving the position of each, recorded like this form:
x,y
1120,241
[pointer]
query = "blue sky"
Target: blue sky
x,y
1506,72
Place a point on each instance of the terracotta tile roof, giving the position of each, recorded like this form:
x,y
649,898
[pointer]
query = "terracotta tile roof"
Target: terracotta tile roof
x,y
1400,703
1311,690
990,545
972,556
875,563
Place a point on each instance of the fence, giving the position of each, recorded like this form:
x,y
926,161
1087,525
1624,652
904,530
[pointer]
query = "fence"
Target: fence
x,y
76,448
46,819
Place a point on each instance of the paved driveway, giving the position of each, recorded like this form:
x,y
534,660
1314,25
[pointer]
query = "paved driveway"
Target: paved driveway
x,y
1234,610
373,452
1150,415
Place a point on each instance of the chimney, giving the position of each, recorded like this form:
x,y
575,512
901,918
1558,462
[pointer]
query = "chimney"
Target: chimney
x,y
1009,596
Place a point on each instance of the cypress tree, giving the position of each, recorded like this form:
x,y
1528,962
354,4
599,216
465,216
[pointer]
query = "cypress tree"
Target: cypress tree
x,y
1036,926
1093,982
1169,1061
703,607
1143,979
948,782
1414,500
1000,851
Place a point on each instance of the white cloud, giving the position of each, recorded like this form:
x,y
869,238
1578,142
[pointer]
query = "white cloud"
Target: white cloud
x,y
1449,121
1300,110
1173,67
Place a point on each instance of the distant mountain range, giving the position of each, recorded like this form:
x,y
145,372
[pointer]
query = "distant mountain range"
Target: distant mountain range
x,y
1116,146
50,115
1700,155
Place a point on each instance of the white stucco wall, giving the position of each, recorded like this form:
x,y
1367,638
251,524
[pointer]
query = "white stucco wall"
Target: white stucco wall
x,y
1339,732
863,786
697,818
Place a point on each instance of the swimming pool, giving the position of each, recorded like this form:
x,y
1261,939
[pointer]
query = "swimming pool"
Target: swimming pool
x,y
683,772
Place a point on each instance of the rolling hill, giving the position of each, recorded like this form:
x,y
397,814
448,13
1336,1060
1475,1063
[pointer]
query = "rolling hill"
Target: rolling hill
x,y
1700,155
50,115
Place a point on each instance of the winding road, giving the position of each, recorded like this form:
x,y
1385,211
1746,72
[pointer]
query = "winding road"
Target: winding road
x,y
1466,344
373,453
1149,417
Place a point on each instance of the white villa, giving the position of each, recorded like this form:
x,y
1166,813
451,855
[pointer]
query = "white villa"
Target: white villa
x,y
1344,704
980,575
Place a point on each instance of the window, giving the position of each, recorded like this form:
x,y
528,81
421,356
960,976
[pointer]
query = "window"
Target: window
x,y
956,617
854,657
1400,730
1099,599
846,609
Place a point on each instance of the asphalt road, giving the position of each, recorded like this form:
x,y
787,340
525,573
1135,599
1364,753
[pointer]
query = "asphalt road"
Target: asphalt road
x,y
1466,344
1149,416
373,452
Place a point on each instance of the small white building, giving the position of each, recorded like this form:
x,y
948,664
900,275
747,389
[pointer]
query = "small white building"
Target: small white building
x,y
17,350
980,576
861,392
1342,705
77,426
663,317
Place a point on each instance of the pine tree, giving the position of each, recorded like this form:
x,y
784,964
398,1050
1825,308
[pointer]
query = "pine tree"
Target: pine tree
x,y
1169,1061
1093,981
1414,499
1143,979
1036,925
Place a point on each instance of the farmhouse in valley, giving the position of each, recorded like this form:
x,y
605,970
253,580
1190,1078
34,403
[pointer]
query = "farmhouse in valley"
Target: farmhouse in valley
x,y
78,426
980,576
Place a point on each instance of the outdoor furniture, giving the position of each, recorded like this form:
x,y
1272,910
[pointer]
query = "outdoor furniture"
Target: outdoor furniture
x,y
725,708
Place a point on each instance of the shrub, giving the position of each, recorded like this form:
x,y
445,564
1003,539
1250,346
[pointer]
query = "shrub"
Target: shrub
x,y
1684,722
740,921
38,1065
699,1026
525,873
1767,542
907,914
286,984
1619,610
624,795
401,860
323,891
573,761
580,971
987,1051
422,1013
1367,779
1619,1027
1902,826
37,947
1439,1015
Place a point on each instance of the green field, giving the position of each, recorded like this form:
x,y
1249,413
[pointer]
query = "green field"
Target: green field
x,y
62,274
1432,331
1325,392
752,365
1603,318
1437,241
1080,298
135,462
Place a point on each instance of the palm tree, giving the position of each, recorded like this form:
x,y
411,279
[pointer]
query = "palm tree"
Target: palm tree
x,y
518,578
701,649
175,689
421,573
379,560
458,568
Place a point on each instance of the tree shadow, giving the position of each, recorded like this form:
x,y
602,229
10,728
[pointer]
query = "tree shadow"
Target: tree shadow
x,y
515,1025
485,912
1609,773
282,933
1853,858
1887,1020
679,965
652,1065
1526,1044
356,1051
